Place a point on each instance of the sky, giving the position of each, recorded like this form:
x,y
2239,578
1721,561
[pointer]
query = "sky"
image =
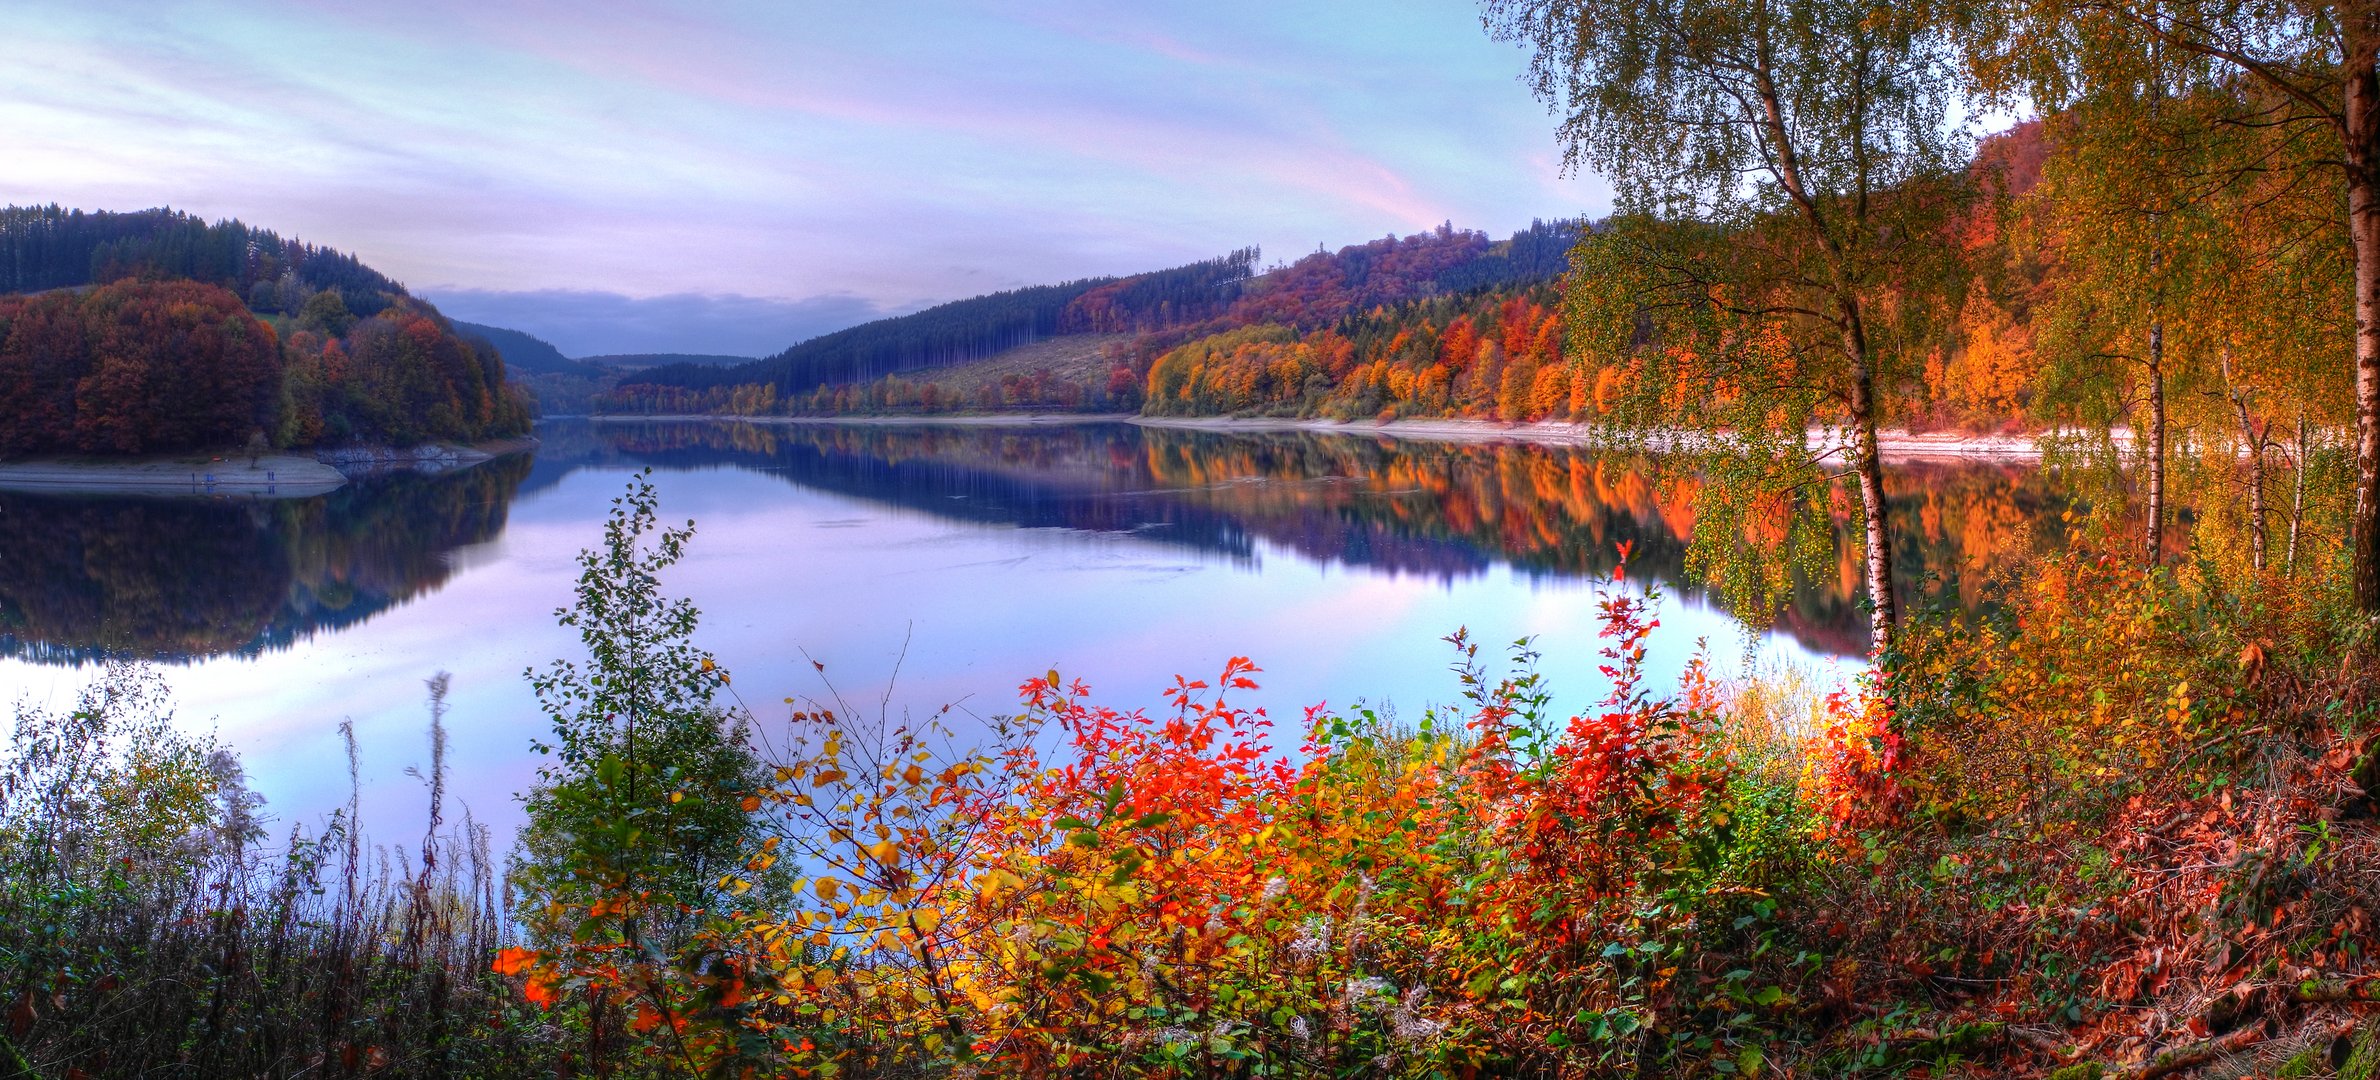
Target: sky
x,y
725,177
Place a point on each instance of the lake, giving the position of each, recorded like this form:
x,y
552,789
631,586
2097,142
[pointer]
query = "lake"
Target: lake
x,y
922,565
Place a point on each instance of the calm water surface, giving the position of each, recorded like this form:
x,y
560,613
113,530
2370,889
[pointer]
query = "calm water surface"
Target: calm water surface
x,y
963,558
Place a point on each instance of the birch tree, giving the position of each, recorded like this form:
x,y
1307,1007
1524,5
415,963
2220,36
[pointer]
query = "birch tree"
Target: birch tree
x,y
1785,173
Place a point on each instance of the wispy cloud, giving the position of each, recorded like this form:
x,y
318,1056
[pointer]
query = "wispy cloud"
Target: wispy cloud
x,y
892,154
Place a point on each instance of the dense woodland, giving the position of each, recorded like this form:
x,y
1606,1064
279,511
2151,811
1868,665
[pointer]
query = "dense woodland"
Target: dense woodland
x,y
155,331
47,247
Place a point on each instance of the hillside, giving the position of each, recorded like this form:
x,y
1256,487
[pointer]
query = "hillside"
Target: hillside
x,y
528,352
1128,323
974,328
49,247
152,331
640,361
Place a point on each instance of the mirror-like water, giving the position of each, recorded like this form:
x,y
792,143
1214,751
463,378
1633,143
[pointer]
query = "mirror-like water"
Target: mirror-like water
x,y
966,558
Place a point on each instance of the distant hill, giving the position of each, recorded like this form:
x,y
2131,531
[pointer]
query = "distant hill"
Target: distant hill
x,y
971,329
1214,296
528,352
640,361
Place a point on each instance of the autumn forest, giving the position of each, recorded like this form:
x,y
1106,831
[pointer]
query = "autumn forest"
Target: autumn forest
x,y
155,331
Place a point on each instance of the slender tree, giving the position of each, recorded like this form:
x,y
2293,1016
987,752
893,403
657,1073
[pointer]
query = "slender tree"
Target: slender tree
x,y
1784,171
2125,213
2311,67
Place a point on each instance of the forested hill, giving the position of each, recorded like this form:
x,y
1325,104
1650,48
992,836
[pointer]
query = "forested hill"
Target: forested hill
x,y
528,352
221,335
970,329
898,364
1326,287
48,247
637,361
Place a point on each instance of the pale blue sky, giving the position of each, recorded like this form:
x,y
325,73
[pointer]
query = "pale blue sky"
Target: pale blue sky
x,y
731,176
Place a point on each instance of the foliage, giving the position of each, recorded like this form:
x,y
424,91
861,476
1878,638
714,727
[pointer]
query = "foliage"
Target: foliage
x,y
1495,354
1716,881
134,367
162,333
1785,174
2124,818
640,796
149,927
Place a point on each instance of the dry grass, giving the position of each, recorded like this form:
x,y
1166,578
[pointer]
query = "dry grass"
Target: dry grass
x,y
1079,358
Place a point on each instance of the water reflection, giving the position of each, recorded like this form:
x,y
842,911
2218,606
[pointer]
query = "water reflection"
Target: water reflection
x,y
1404,507
178,580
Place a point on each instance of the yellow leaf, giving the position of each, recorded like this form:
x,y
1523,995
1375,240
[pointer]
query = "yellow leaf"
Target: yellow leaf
x,y
826,888
926,919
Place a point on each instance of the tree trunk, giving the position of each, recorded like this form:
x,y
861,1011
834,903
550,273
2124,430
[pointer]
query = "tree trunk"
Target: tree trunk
x,y
2253,437
2155,540
2297,500
2257,519
2363,225
1884,617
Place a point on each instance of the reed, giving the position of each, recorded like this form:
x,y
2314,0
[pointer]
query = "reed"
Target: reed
x,y
149,926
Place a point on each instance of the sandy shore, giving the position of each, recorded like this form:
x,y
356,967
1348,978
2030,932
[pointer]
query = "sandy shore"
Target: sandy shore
x,y
277,475
1893,445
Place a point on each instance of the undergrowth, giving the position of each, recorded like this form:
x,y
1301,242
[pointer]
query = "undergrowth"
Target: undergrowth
x,y
2124,826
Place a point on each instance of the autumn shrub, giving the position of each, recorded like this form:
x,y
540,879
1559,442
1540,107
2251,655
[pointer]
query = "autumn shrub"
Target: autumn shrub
x,y
150,927
2114,818
2131,816
1095,891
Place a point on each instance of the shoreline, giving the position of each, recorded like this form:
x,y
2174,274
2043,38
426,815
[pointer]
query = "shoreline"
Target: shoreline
x,y
1892,445
281,474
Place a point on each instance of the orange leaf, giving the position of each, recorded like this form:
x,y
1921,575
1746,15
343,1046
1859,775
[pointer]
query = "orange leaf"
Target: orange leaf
x,y
515,961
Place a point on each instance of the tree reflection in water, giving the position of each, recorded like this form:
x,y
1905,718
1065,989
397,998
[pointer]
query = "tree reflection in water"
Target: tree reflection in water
x,y
89,578
1440,509
176,580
